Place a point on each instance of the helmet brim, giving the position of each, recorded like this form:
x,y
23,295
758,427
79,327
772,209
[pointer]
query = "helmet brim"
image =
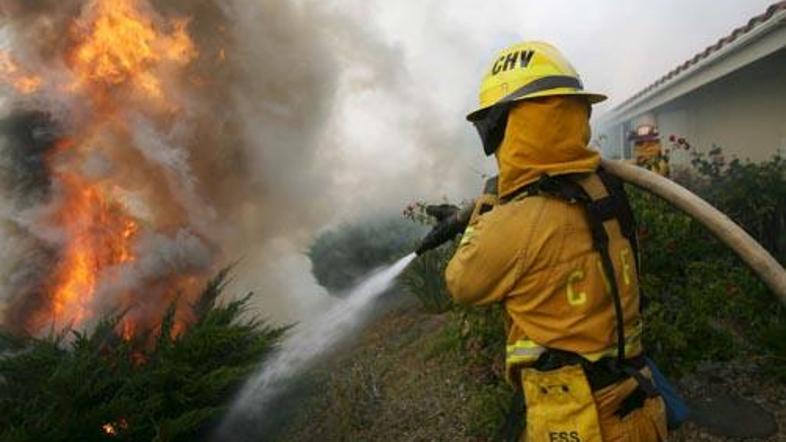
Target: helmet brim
x,y
592,98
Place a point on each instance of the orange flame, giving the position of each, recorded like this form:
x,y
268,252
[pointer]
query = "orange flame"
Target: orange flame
x,y
121,46
111,429
118,49
11,73
99,235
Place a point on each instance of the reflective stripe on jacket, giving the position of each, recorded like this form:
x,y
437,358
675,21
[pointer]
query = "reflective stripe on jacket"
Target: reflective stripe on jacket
x,y
535,254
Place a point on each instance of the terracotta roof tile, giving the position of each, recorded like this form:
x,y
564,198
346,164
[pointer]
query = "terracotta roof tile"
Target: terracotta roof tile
x,y
721,43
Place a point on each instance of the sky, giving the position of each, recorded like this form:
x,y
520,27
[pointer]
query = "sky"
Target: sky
x,y
618,46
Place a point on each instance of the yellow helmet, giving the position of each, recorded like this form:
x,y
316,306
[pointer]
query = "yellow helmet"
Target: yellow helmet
x,y
528,70
520,72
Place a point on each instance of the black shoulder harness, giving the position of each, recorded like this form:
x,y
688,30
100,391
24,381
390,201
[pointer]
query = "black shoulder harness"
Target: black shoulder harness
x,y
613,206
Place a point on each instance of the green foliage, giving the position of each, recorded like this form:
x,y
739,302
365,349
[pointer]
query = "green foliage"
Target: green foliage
x,y
773,337
342,256
476,337
425,279
705,304
489,407
157,387
753,194
482,338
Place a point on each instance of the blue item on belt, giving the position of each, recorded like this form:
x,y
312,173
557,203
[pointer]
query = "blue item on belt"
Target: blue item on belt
x,y
677,410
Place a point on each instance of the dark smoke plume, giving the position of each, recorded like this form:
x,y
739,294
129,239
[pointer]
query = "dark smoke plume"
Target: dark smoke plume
x,y
255,159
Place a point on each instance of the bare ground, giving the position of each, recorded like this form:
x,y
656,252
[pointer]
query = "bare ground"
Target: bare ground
x,y
401,382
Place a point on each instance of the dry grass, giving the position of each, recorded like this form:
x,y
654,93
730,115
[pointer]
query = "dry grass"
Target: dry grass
x,y
402,382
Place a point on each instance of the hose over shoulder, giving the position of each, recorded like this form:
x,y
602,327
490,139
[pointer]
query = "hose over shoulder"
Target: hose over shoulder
x,y
751,252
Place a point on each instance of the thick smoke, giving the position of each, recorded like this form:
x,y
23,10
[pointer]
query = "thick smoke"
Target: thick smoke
x,y
265,146
27,138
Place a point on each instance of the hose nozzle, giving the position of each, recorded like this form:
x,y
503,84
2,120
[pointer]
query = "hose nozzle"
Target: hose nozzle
x,y
451,221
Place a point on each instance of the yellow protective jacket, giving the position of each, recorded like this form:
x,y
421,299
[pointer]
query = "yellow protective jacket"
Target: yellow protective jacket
x,y
535,253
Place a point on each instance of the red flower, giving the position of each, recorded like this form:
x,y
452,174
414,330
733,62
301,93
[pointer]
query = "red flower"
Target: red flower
x,y
672,138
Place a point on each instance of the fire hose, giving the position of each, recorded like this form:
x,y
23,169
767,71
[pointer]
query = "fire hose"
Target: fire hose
x,y
453,222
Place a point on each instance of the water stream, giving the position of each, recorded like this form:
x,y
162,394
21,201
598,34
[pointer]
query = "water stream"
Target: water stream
x,y
300,349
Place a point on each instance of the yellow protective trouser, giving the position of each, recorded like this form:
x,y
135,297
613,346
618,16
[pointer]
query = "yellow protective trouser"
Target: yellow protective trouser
x,y
646,424
561,408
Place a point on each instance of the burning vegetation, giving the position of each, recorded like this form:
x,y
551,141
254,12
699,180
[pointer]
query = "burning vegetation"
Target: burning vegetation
x,y
142,144
93,385
107,119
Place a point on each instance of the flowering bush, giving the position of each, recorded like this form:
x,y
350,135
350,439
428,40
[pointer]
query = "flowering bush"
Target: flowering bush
x,y
705,304
753,194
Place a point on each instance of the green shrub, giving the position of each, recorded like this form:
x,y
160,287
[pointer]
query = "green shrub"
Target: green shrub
x,y
473,335
482,337
477,336
340,257
773,338
78,387
704,303
425,279
489,406
753,194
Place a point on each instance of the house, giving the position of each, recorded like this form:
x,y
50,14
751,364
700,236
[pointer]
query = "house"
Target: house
x,y
732,95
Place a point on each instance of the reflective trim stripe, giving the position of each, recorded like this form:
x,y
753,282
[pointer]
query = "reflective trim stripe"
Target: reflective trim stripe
x,y
520,196
525,351
542,84
467,235
539,85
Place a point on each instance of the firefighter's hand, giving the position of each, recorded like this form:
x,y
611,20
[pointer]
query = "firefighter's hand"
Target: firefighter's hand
x,y
442,212
448,226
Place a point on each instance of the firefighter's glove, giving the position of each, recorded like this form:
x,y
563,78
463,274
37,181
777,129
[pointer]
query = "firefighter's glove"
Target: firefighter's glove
x,y
449,224
442,212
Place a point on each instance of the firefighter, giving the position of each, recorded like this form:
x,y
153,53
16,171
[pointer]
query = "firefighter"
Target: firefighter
x,y
647,149
556,246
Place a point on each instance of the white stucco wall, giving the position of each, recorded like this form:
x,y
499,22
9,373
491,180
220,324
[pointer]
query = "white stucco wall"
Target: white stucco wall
x,y
744,112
